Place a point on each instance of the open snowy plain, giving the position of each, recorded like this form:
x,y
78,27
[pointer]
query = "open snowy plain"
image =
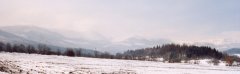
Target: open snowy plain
x,y
20,63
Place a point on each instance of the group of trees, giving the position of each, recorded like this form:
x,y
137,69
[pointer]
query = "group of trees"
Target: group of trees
x,y
176,53
46,50
21,48
17,48
169,52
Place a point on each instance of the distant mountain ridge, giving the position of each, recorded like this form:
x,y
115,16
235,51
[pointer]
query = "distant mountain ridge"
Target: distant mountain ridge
x,y
16,36
233,51
57,39
33,34
39,35
12,38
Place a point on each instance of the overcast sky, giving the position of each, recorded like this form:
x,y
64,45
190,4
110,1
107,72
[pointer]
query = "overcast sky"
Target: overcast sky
x,y
177,20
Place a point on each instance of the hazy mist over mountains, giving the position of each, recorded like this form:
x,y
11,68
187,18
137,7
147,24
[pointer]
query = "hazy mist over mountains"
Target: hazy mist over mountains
x,y
121,25
35,35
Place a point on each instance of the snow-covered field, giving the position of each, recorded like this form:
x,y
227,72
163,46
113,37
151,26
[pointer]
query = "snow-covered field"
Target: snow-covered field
x,y
237,55
19,63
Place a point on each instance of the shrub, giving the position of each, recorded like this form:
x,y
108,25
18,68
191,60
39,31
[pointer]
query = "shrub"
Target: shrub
x,y
70,52
215,62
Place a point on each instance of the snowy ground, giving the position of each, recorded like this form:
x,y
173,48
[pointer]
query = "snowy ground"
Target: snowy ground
x,y
237,55
45,64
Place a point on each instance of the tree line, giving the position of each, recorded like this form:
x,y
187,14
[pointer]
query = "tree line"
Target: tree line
x,y
177,53
46,50
174,52
169,52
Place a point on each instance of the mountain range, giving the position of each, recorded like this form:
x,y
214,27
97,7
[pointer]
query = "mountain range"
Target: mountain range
x,y
37,35
62,39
